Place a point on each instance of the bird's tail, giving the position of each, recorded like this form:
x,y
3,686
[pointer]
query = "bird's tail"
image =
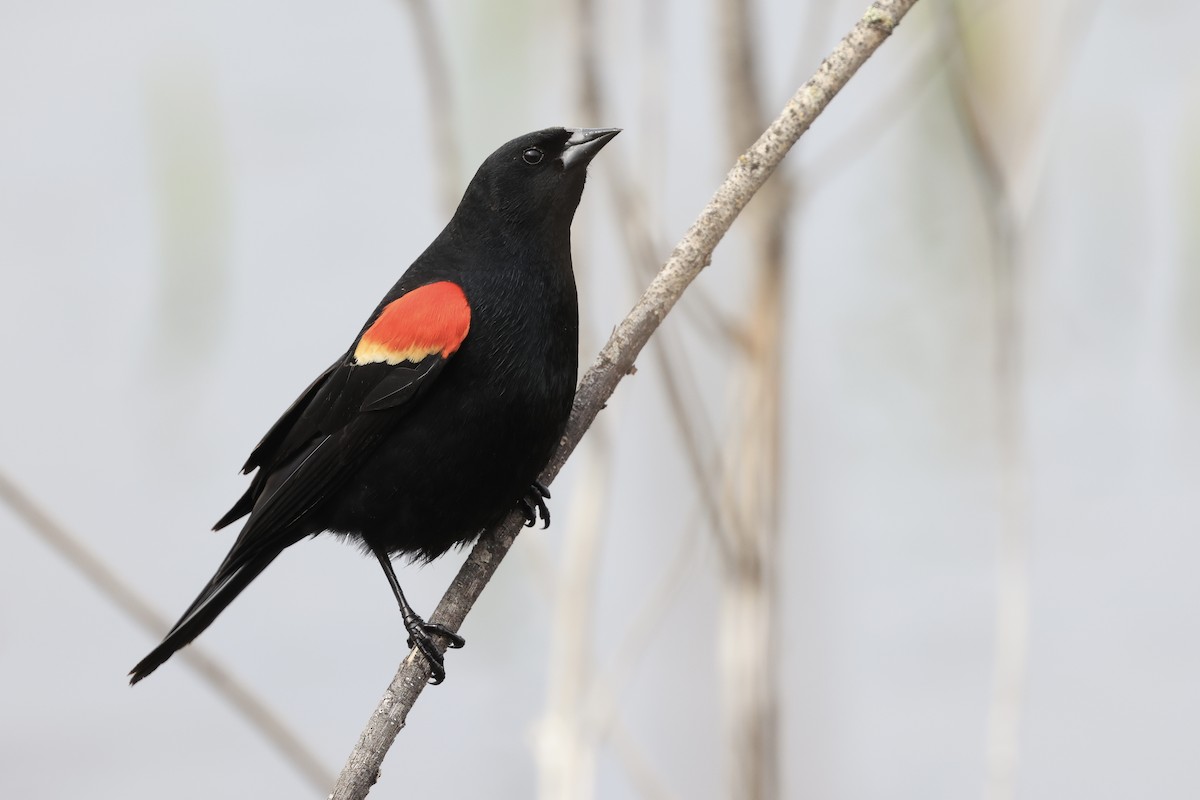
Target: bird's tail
x,y
227,584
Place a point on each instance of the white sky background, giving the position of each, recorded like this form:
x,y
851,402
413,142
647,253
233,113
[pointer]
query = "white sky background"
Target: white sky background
x,y
150,338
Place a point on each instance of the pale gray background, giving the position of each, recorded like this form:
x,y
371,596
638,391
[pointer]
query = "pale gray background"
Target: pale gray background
x,y
147,342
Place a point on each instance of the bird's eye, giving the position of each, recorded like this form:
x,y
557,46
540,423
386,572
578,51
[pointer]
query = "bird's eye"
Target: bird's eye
x,y
532,156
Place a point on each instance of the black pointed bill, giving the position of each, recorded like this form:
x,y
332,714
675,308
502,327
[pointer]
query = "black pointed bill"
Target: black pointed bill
x,y
584,144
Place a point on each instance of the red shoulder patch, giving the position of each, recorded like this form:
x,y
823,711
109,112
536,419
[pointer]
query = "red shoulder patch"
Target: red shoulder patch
x,y
430,319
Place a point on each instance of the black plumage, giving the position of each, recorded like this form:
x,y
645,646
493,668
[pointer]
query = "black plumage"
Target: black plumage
x,y
437,420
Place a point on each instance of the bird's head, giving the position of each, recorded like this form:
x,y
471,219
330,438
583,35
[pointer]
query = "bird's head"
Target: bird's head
x,y
538,178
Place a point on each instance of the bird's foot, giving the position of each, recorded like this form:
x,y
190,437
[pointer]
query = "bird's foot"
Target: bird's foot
x,y
419,637
534,505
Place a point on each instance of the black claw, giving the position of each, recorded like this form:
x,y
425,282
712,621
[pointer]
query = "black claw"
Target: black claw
x,y
437,664
419,638
528,512
453,640
534,505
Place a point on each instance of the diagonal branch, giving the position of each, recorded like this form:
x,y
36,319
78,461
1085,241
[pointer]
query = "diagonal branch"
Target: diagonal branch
x,y
252,709
616,360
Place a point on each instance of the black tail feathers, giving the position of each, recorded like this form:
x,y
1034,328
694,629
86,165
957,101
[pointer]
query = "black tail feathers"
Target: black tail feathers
x,y
219,593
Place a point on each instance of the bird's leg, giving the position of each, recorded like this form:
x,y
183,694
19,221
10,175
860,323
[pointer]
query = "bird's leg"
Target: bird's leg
x,y
534,504
418,629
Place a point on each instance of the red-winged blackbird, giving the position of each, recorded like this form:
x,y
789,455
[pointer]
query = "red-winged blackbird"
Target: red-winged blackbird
x,y
438,419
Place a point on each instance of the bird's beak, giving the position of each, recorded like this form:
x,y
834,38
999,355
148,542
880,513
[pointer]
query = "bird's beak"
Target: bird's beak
x,y
584,144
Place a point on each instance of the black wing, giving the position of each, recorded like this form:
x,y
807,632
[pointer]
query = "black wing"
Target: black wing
x,y
306,455
336,412
324,437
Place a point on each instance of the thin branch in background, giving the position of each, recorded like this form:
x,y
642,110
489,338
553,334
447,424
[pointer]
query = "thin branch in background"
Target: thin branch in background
x,y
1011,655
641,772
600,710
542,566
835,158
436,70
634,215
601,707
672,365
635,212
1008,172
568,771
655,51
567,739
227,687
818,24
630,206
566,756
679,382
921,76
1012,587
616,360
567,744
749,598
1021,155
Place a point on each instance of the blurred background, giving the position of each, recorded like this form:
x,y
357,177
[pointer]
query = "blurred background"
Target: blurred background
x,y
900,502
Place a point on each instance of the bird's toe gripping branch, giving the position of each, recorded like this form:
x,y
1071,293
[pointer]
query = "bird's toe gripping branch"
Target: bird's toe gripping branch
x,y
534,505
419,637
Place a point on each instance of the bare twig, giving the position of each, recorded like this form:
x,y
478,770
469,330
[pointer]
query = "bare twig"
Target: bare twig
x,y
616,360
253,710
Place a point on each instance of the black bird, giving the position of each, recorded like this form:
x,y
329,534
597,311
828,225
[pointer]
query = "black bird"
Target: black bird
x,y
436,421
